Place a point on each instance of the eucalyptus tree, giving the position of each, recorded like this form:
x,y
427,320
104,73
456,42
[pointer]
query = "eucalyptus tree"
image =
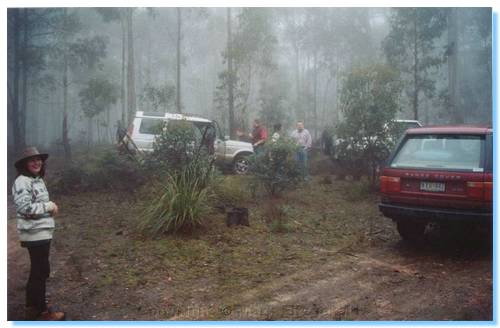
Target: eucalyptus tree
x,y
119,15
96,97
369,99
249,55
410,48
28,48
73,53
14,111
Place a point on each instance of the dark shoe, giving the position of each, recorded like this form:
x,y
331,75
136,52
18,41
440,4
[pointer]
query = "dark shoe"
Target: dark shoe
x,y
51,316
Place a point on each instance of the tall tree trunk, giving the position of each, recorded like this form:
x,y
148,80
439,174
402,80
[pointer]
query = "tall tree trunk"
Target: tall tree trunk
x,y
231,77
16,126
108,134
65,84
298,92
89,131
415,68
22,116
324,118
123,99
315,94
178,103
130,67
148,65
65,137
453,108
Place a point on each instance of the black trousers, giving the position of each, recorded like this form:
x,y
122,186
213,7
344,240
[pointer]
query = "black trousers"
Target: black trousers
x,y
39,273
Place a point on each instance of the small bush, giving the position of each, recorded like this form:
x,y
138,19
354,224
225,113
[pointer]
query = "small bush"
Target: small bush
x,y
276,216
102,169
176,145
276,169
230,191
357,191
182,203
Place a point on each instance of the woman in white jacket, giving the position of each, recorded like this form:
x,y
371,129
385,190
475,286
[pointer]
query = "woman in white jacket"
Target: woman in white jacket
x,y
35,225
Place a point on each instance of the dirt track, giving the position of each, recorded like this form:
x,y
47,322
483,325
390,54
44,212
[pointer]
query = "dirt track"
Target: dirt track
x,y
447,278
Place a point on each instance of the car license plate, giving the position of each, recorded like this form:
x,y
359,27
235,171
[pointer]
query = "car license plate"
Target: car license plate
x,y
432,186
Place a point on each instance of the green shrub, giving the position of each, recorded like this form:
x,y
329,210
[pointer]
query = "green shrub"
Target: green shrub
x,y
358,191
176,144
276,168
230,191
181,204
277,216
113,171
98,170
369,101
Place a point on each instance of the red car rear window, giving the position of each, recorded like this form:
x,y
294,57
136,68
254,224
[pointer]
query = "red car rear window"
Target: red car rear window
x,y
446,152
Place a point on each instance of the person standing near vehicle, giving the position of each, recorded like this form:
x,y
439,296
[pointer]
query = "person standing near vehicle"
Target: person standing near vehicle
x,y
35,225
258,135
303,139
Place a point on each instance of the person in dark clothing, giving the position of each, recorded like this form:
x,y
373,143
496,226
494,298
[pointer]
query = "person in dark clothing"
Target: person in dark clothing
x,y
35,226
327,141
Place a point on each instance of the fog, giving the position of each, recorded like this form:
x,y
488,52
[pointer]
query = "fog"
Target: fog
x,y
75,74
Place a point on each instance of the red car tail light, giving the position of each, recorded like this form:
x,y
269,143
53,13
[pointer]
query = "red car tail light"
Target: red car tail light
x,y
480,190
390,184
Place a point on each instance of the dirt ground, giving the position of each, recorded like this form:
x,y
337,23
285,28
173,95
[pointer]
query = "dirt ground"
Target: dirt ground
x,y
338,259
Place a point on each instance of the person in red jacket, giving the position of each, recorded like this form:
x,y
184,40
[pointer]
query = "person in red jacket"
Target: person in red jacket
x,y
258,135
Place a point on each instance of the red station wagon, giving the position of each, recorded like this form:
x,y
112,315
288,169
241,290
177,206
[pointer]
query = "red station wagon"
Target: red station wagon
x,y
441,174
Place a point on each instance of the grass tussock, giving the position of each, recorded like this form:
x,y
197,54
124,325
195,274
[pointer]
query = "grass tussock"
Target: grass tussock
x,y
182,203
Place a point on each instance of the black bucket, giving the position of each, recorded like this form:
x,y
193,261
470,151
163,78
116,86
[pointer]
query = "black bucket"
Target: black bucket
x,y
238,216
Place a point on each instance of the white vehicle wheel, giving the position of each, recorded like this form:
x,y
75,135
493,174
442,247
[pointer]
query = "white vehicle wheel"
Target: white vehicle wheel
x,y
241,164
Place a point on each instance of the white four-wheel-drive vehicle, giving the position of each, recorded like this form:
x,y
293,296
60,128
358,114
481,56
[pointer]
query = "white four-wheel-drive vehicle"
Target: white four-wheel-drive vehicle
x,y
232,154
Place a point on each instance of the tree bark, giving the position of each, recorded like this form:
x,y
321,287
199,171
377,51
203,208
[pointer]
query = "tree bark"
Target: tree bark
x,y
415,67
89,131
315,94
16,129
178,103
231,77
65,137
124,46
453,107
130,67
65,84
23,111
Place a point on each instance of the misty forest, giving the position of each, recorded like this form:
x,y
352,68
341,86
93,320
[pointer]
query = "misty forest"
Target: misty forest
x,y
201,224
74,74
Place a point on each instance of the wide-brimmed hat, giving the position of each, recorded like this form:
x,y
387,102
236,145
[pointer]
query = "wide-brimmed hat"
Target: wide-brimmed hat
x,y
28,153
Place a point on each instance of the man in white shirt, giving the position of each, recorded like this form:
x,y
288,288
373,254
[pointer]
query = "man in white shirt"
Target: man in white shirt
x,y
303,138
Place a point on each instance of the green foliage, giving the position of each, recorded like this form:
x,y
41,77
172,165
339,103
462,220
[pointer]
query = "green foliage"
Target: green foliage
x,y
252,50
254,40
230,191
358,191
160,98
276,168
176,145
369,102
97,96
89,51
277,217
410,45
273,100
182,203
104,169
182,161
